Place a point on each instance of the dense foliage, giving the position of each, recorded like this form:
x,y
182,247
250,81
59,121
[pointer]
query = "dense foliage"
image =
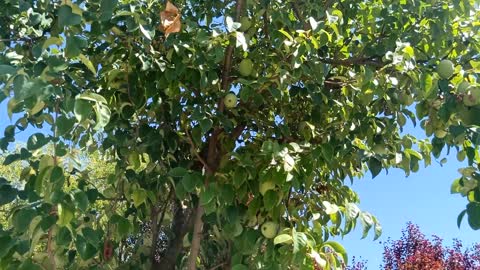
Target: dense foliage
x,y
231,126
414,251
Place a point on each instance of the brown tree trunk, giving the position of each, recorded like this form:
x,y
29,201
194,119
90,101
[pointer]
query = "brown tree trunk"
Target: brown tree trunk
x,y
197,237
180,226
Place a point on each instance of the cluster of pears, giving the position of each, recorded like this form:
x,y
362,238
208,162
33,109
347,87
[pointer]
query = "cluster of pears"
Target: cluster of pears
x,y
470,93
269,229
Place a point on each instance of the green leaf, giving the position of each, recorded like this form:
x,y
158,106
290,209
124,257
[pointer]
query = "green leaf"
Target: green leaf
x,y
52,41
74,46
28,264
139,196
81,200
65,213
231,25
377,229
66,17
7,70
85,249
460,218
283,238
57,175
106,9
91,236
288,163
456,187
352,211
145,32
7,192
123,227
330,208
94,97
22,219
36,141
367,223
475,65
64,125
82,110
206,125
339,249
239,267
473,211
191,180
239,176
207,195
286,34
63,237
103,115
178,172
375,166
270,199
6,243
87,63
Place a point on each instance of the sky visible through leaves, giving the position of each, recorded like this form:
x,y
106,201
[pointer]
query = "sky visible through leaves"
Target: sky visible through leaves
x,y
423,198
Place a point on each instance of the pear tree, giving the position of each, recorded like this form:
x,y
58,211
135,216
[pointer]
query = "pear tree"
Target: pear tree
x,y
232,129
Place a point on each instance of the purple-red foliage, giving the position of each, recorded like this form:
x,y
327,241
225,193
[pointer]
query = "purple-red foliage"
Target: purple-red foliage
x,y
414,251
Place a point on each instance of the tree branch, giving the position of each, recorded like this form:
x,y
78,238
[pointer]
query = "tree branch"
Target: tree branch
x,y
354,61
298,14
194,150
213,153
196,238
157,223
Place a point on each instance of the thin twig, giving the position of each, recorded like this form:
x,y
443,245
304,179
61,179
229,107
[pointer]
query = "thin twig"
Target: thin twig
x,y
353,61
194,150
218,266
298,14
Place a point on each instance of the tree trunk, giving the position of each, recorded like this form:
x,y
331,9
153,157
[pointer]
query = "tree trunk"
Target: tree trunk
x,y
180,226
197,237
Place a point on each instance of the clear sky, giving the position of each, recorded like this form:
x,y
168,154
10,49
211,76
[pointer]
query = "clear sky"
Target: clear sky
x,y
423,198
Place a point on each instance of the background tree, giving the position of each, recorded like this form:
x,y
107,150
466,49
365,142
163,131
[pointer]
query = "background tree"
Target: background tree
x,y
231,126
414,251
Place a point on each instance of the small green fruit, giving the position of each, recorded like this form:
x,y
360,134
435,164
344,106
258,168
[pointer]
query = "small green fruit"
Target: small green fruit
x,y
269,229
246,24
472,96
405,99
445,69
440,133
462,87
246,67
266,186
230,100
134,160
380,149
461,155
65,214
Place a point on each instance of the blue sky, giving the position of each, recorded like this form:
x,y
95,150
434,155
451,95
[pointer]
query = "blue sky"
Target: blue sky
x,y
423,198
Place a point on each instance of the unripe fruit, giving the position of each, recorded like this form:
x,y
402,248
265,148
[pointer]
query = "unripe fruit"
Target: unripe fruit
x,y
269,229
380,149
230,100
462,87
440,133
472,96
266,186
445,69
246,24
246,67
461,155
134,159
